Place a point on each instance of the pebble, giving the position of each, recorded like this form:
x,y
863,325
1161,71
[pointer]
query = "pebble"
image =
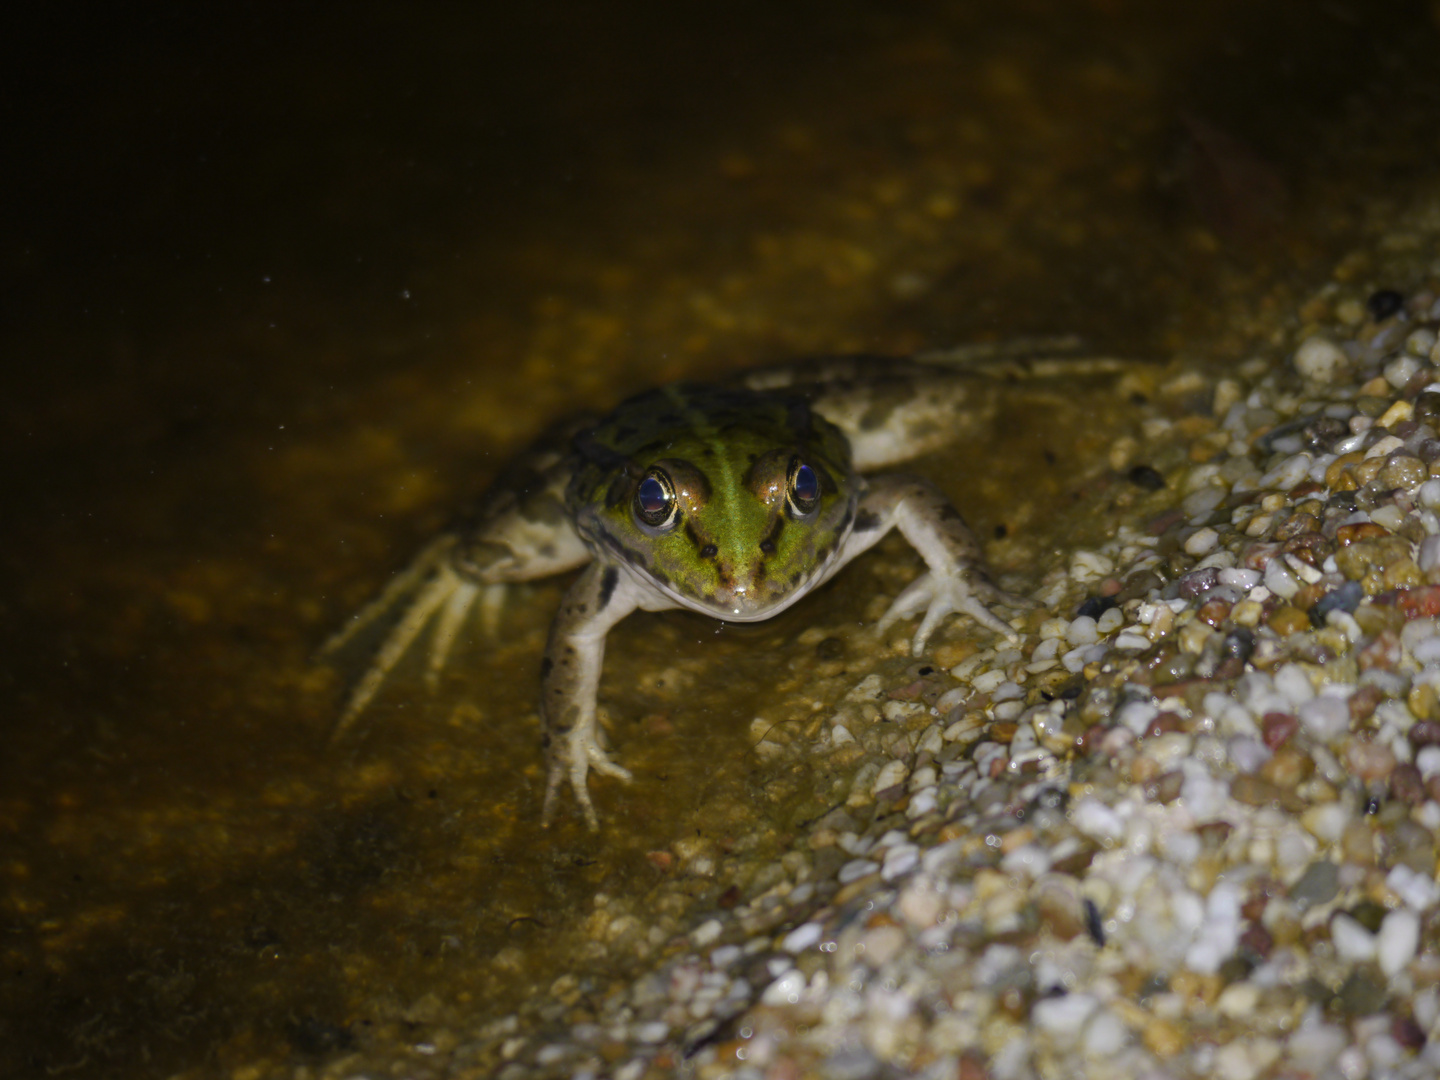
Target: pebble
x,y
1351,940
1397,941
1320,359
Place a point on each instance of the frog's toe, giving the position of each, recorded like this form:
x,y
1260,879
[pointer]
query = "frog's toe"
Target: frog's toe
x,y
452,617
943,596
583,753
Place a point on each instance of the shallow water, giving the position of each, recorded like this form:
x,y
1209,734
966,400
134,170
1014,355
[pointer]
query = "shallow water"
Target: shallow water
x,y
281,295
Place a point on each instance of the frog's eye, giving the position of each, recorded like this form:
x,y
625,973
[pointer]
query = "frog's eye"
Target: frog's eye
x,y
804,494
655,503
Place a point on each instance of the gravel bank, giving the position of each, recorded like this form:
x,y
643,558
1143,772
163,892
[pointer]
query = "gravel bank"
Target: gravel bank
x,y
1186,827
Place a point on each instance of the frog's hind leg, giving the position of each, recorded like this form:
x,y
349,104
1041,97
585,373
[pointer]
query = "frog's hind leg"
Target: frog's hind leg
x,y
456,607
445,592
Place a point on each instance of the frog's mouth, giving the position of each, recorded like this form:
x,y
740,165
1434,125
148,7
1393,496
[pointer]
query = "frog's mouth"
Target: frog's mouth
x,y
744,602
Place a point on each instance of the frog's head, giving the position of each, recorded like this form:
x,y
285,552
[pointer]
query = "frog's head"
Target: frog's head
x,y
735,518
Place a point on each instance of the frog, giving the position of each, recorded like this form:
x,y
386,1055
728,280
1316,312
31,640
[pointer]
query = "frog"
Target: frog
x,y
734,499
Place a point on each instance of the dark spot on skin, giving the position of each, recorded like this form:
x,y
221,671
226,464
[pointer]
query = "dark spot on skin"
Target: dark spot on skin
x,y
546,551
949,513
773,537
759,575
546,666
865,520
1001,531
709,551
608,581
569,650
581,608
1050,457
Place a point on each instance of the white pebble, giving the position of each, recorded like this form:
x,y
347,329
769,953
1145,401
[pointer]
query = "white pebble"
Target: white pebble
x,y
899,861
988,681
1401,370
1240,579
856,869
1429,555
802,937
1325,717
1351,940
707,932
1421,342
1287,474
892,773
1081,630
1248,754
652,1032
1397,941
1105,1036
1280,579
1029,860
1063,1017
1391,517
1418,891
1097,820
1428,761
1429,493
1109,621
1132,642
1204,500
1320,359
785,990
1202,541
1292,681
1137,716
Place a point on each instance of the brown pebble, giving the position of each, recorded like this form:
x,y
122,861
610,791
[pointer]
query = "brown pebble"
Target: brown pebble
x,y
1382,652
1360,530
1407,1033
1424,733
1363,702
1276,729
1165,788
1340,475
1286,620
1002,731
1296,524
1258,940
1407,785
1213,612
1422,602
1254,791
1369,760
1287,768
1432,786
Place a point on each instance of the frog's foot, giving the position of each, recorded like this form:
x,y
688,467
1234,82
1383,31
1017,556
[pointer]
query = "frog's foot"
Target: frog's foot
x,y
446,597
941,595
582,753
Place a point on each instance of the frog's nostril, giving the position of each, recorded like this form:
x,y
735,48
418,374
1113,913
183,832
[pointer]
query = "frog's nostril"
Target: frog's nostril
x,y
709,551
767,546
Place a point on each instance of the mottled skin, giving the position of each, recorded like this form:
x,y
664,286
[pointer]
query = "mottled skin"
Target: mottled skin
x,y
734,501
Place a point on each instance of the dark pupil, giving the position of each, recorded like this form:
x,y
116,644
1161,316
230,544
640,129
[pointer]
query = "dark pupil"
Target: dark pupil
x,y
806,485
652,497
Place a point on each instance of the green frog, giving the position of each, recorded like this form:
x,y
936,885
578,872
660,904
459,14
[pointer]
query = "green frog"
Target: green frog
x,y
735,500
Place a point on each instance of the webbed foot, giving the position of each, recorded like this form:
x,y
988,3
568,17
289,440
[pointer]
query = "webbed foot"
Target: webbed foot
x,y
940,596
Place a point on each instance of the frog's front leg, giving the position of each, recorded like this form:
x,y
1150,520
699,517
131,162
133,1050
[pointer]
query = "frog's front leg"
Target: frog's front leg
x,y
570,680
956,579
